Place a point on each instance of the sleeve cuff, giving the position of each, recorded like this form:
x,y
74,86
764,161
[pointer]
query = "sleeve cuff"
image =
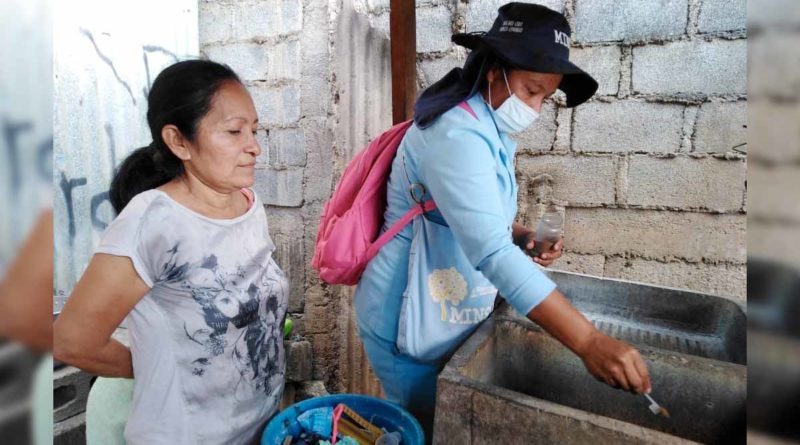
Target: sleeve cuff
x,y
137,263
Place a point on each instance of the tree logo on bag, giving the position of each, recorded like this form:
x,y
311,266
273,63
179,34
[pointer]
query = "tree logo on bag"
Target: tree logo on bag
x,y
447,285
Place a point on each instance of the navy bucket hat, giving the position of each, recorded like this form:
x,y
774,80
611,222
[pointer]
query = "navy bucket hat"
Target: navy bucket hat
x,y
534,38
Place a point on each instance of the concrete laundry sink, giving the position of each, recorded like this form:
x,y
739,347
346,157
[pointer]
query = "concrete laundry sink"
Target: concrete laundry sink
x,y
510,382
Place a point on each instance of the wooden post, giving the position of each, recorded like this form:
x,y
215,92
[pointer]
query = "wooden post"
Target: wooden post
x,y
403,35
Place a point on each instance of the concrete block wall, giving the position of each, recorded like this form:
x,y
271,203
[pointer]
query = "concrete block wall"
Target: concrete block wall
x,y
652,169
265,42
283,50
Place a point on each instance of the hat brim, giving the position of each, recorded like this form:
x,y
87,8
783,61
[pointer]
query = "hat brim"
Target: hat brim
x,y
577,84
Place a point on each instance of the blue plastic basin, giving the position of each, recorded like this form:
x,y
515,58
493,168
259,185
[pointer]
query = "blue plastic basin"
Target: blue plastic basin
x,y
380,413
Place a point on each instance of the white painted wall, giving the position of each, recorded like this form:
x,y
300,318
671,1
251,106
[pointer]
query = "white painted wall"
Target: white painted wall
x,y
106,55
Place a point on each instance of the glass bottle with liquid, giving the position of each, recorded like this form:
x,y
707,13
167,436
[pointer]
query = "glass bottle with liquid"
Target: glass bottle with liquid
x,y
548,232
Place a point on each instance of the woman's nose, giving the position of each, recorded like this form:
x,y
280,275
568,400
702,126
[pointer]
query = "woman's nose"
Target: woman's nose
x,y
536,103
253,146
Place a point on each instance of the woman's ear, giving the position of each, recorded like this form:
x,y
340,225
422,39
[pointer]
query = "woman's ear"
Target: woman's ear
x,y
176,143
491,75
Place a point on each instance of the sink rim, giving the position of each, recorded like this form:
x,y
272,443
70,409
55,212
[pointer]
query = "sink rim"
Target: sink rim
x,y
741,305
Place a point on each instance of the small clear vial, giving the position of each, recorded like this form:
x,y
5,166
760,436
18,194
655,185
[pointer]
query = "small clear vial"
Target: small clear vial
x,y
548,232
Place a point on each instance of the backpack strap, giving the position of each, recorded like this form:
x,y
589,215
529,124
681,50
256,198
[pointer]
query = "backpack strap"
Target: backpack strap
x,y
398,226
416,210
468,109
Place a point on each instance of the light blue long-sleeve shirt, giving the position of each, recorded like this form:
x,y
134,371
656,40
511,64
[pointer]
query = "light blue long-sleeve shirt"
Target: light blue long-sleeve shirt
x,y
467,167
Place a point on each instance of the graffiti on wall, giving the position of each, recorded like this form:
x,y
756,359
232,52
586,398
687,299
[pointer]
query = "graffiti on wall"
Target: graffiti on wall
x,y
105,63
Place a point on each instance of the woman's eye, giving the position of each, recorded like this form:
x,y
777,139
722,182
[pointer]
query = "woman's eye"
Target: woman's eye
x,y
255,132
234,131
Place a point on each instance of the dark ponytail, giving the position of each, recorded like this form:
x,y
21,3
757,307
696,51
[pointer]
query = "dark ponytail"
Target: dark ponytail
x,y
181,95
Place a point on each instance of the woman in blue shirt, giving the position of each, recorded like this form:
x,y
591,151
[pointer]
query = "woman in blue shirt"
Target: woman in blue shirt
x,y
459,152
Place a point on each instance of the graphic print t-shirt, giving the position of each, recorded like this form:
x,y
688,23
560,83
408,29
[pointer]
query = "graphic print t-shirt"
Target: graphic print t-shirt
x,y
206,340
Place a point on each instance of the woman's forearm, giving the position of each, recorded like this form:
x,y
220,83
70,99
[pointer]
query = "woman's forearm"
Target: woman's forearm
x,y
607,359
111,360
559,318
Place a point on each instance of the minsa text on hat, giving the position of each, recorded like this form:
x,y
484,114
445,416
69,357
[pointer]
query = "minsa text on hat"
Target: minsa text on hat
x,y
562,38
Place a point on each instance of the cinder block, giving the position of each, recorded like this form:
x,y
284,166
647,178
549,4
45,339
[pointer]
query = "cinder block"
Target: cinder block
x,y
70,392
576,179
627,126
684,182
71,431
254,62
434,29
773,192
722,280
577,263
629,20
318,318
287,148
298,361
309,390
311,212
267,18
602,63
284,60
286,230
773,134
563,129
319,162
723,15
277,105
215,22
657,234
314,42
721,127
286,221
327,349
691,67
481,14
289,257
249,60
541,135
262,137
282,188
433,70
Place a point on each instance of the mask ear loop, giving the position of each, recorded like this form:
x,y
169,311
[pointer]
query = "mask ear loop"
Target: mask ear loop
x,y
507,86
491,107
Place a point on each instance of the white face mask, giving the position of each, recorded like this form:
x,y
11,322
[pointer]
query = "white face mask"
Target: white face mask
x,y
514,115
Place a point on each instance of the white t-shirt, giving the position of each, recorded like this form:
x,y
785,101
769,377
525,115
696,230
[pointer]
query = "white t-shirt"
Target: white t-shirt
x,y
206,340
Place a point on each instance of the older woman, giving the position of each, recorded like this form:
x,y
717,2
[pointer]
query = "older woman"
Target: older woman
x,y
188,262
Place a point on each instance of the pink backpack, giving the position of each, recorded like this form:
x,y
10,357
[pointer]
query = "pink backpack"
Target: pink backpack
x,y
353,217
